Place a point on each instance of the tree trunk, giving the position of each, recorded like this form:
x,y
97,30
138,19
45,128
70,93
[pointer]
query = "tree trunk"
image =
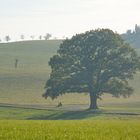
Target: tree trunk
x,y
93,101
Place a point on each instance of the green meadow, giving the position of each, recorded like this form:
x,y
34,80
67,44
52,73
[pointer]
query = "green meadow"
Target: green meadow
x,y
70,130
26,115
24,85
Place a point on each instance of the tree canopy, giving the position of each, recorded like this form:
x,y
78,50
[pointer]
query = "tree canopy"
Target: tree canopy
x,y
95,62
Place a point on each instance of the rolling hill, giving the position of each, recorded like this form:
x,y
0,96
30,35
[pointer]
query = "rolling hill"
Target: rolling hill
x,y
24,85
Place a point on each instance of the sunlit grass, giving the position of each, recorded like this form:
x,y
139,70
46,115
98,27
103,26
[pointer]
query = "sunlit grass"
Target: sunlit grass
x,y
70,130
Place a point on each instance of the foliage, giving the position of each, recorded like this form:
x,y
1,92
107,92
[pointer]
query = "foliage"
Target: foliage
x,y
7,38
97,62
133,37
47,36
22,37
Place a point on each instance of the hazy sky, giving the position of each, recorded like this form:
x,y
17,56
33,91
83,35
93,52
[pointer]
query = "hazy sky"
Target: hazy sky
x,y
66,17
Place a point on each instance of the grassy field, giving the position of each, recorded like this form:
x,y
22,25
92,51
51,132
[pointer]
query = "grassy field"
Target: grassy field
x,y
21,102
21,89
25,85
28,113
70,130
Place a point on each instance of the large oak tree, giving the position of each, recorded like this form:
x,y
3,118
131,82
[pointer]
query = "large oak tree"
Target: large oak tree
x,y
95,62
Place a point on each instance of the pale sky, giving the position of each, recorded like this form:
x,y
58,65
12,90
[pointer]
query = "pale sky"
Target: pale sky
x,y
66,17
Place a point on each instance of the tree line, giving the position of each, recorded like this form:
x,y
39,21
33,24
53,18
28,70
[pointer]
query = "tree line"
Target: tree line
x,y
7,38
133,36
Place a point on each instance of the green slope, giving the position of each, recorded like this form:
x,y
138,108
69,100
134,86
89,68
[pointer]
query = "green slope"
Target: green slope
x,y
25,85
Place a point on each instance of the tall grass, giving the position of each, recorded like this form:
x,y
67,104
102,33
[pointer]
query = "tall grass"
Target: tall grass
x,y
70,130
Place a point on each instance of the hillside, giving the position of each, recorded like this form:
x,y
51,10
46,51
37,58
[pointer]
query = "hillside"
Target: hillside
x,y
24,85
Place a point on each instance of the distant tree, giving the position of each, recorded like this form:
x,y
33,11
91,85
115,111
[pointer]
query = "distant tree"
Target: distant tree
x,y
7,38
22,37
55,38
137,29
96,62
134,37
16,63
32,37
47,36
40,37
128,32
